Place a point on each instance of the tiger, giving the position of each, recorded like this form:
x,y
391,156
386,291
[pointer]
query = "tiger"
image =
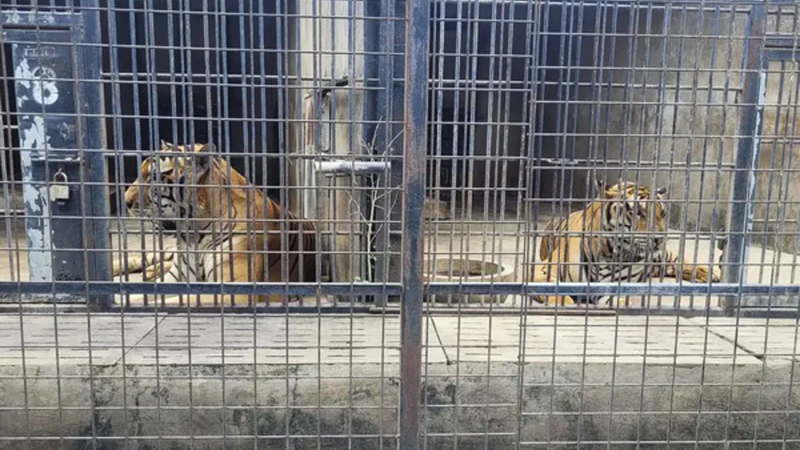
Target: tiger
x,y
226,230
619,236
149,264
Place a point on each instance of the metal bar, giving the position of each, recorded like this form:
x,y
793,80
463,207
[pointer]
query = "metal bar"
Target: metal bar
x,y
628,3
79,287
95,169
775,313
442,311
414,151
780,43
345,168
388,266
608,288
741,215
371,33
782,54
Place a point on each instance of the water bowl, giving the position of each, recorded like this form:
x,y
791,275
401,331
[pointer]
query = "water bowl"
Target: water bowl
x,y
457,270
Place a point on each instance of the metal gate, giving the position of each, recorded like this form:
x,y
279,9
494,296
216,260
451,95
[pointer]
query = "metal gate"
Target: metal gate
x,y
416,156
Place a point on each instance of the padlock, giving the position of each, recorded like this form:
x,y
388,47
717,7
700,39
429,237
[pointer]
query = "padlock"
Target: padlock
x,y
59,189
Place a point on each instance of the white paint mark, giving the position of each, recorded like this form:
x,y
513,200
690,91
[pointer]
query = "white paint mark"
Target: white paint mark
x,y
13,17
45,91
39,238
23,73
39,80
35,136
43,17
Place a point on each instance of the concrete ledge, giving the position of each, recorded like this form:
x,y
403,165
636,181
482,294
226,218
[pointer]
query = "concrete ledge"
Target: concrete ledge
x,y
339,378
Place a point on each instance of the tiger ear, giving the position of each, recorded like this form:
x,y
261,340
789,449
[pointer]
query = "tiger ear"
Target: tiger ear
x,y
165,145
600,187
662,191
204,155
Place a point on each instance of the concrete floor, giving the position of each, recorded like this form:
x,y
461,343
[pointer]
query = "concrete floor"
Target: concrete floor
x,y
510,240
247,381
331,339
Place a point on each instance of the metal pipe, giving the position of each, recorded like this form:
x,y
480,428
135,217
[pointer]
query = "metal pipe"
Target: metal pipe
x,y
433,288
344,167
740,219
414,152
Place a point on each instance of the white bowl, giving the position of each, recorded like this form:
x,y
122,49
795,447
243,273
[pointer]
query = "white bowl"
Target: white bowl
x,y
457,270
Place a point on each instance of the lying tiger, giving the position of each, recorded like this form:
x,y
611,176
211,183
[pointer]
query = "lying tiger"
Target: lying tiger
x,y
612,240
226,230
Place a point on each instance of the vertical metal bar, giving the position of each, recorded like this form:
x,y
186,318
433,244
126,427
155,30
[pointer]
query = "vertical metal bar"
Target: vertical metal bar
x,y
369,131
94,139
740,219
390,105
414,151
56,230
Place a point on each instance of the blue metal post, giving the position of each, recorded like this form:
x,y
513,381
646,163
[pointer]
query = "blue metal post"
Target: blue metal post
x,y
740,220
95,203
390,111
62,137
414,151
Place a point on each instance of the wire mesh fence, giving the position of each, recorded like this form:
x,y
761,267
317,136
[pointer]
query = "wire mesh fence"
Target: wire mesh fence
x,y
399,224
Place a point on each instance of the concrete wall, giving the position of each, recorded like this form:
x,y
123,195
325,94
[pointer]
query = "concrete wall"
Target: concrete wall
x,y
489,61
654,91
597,403
330,46
693,121
670,114
778,211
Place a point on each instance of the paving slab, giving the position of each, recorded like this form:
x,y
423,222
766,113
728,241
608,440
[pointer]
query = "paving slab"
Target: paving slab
x,y
603,340
243,339
775,339
50,340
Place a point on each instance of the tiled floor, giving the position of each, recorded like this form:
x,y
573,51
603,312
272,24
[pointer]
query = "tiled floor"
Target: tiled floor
x,y
369,339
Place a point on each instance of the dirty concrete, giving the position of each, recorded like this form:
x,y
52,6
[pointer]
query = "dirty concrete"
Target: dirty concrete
x,y
597,379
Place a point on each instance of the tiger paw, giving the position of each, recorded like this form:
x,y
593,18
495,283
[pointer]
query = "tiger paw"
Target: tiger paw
x,y
715,276
553,300
116,268
154,272
700,275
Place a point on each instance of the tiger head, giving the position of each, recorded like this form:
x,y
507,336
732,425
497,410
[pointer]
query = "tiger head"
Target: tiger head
x,y
634,216
175,185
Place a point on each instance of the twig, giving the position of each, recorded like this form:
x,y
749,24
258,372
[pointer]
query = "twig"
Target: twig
x,y
374,207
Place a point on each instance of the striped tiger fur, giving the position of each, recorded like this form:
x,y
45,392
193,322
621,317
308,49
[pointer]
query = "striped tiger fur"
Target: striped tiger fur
x,y
226,229
620,236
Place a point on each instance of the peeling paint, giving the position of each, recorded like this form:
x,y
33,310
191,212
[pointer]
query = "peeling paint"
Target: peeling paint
x,y
23,74
33,136
30,193
38,231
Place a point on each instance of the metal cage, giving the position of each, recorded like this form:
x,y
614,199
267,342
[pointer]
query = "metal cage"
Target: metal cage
x,y
399,224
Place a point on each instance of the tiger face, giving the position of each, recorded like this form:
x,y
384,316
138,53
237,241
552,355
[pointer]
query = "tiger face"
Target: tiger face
x,y
635,217
169,189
